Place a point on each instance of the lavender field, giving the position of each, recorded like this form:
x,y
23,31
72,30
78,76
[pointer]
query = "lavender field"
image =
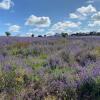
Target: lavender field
x,y
50,68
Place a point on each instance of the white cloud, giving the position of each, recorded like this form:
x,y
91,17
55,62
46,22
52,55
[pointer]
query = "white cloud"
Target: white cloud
x,y
95,23
29,34
90,1
73,16
86,10
6,4
38,21
63,27
37,30
14,28
76,15
66,24
82,12
95,20
96,16
50,33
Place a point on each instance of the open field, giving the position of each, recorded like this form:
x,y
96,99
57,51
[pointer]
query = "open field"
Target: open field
x,y
50,68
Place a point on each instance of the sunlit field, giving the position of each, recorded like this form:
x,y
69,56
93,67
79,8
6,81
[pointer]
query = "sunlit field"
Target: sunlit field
x,y
49,49
50,68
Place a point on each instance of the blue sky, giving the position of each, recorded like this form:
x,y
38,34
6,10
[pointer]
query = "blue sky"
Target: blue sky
x,y
26,17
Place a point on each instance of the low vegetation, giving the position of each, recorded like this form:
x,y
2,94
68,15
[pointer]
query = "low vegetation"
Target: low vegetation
x,y
51,68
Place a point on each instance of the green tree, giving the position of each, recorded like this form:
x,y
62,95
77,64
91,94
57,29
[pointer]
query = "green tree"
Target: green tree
x,y
7,33
64,34
32,35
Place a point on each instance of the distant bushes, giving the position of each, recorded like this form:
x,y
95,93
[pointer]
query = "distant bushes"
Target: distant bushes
x,y
64,34
86,34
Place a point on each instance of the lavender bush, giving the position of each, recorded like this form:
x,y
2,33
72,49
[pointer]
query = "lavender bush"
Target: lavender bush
x,y
50,68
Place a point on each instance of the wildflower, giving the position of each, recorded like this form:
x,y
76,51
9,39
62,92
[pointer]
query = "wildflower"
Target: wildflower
x,y
19,79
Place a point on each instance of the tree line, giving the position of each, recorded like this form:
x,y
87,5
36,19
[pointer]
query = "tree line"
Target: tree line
x,y
65,34
86,34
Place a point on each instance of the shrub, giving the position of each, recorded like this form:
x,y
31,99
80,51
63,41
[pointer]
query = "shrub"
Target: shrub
x,y
11,82
7,33
83,58
88,90
64,34
62,88
54,62
50,98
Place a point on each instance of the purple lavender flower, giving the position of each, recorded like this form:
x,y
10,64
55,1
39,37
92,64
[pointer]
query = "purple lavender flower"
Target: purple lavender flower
x,y
7,68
